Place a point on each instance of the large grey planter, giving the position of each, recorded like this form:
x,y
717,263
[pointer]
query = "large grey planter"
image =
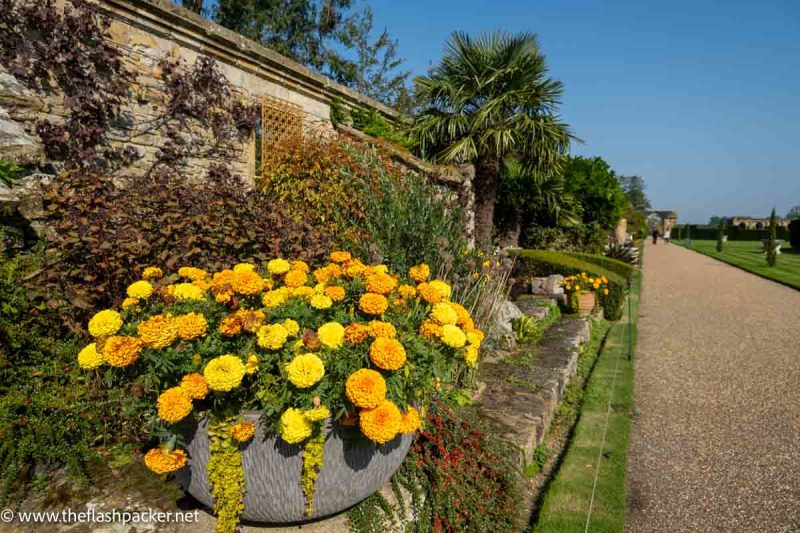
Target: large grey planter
x,y
353,469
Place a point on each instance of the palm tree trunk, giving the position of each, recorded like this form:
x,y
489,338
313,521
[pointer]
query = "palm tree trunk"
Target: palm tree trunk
x,y
487,172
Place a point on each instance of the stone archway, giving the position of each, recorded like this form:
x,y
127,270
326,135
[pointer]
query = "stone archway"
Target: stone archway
x,y
662,221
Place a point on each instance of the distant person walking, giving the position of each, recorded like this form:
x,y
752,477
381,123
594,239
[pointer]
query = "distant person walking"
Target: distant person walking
x,y
667,235
655,236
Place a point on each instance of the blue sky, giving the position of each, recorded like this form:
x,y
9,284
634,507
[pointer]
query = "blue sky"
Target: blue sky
x,y
700,98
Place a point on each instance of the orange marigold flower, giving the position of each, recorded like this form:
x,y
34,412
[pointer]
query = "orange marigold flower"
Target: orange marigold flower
x,y
387,353
251,319
174,405
335,293
328,273
354,268
381,283
410,421
382,423
430,329
419,273
195,386
165,462
121,351
231,325
365,388
247,282
429,293
243,431
340,257
373,304
461,313
222,282
302,266
191,326
295,278
158,331
356,333
378,328
192,273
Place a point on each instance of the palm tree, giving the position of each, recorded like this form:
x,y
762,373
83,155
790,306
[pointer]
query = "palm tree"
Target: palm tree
x,y
490,97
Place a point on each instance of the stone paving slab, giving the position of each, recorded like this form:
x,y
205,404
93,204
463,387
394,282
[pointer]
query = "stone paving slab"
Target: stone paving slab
x,y
716,443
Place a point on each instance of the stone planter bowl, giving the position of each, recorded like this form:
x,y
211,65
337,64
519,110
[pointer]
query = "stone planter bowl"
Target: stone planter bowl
x,y
353,469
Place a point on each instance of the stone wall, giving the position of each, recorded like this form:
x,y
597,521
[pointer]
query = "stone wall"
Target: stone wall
x,y
147,31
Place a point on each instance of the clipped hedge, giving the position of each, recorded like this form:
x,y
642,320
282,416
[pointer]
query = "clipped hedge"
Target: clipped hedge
x,y
794,233
734,233
614,265
536,263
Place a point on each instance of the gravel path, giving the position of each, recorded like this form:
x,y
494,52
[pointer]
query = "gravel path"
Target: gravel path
x,y
716,443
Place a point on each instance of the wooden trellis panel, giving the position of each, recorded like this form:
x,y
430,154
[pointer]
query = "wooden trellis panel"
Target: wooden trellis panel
x,y
279,120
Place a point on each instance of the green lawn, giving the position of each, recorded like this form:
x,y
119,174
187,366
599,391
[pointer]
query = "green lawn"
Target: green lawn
x,y
748,256
565,507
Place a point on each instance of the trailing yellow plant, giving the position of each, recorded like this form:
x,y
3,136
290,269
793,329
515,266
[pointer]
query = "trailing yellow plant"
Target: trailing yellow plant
x,y
312,464
225,477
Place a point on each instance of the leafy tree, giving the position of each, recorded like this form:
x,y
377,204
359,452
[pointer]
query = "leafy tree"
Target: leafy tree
x,y
596,189
489,98
714,220
325,35
772,253
793,213
720,234
633,187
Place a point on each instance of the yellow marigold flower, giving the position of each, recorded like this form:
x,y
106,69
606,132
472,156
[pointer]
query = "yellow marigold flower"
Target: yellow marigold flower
x,y
340,257
430,329
244,267
273,299
202,284
158,331
335,293
373,304
379,269
382,423
331,334
302,266
291,326
605,292
165,462
89,358
320,301
477,335
295,278
444,314
272,336
381,283
356,333
224,373
195,386
378,328
129,302
247,282
152,273
294,426
105,323
461,313
419,273
365,388
277,267
354,268
387,353
305,370
305,292
121,351
407,291
187,291
471,355
319,288
140,289
409,421
191,326
318,414
243,431
443,288
251,367
174,405
453,336
429,293
192,273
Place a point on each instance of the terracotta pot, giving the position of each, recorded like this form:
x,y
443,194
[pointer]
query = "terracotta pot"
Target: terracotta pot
x,y
353,469
586,303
